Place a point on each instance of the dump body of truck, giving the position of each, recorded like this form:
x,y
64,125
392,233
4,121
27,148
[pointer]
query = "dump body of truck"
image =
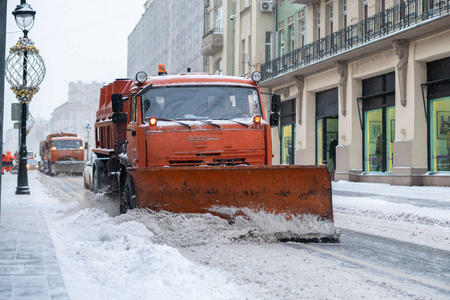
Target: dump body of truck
x,y
199,143
62,153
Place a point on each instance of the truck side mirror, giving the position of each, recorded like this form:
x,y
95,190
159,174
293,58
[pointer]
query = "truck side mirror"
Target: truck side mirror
x,y
119,118
117,103
276,103
274,119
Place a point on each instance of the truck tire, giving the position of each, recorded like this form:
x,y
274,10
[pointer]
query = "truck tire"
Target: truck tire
x,y
98,180
128,195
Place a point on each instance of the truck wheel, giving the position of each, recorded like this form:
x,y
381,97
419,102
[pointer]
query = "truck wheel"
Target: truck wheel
x,y
128,196
99,180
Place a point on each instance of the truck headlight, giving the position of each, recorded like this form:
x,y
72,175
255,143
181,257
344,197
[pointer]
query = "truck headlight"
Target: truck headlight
x,y
141,77
256,76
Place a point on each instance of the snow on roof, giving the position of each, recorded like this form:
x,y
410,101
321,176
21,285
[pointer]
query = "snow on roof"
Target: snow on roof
x,y
202,79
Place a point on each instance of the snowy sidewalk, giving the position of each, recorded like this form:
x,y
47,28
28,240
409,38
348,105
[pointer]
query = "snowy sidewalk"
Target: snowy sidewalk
x,y
28,265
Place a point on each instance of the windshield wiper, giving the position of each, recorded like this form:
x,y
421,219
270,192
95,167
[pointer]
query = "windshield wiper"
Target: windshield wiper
x,y
246,125
210,123
170,120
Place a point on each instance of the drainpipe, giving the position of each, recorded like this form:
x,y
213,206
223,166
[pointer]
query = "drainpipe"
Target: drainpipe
x,y
234,37
275,35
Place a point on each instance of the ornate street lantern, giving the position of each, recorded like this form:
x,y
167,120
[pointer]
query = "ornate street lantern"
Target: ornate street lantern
x,y
25,71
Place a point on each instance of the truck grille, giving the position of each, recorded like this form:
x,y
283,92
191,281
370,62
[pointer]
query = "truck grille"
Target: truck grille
x,y
230,162
186,162
207,154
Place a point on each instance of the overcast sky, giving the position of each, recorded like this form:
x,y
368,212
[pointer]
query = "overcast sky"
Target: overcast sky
x,y
82,40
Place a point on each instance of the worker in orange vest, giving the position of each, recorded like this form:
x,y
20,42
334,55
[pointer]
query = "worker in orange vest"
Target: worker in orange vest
x,y
8,161
3,163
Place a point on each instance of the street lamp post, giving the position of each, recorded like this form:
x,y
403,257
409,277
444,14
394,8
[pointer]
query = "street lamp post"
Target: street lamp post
x,y
25,71
88,130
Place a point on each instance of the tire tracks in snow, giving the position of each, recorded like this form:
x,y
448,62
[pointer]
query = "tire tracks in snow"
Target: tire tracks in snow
x,y
405,261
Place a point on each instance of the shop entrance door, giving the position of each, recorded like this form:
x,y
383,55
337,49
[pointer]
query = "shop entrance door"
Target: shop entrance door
x,y
378,105
327,124
288,132
438,94
327,140
379,138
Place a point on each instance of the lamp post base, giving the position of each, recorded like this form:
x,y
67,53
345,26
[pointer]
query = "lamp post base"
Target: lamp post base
x,y
22,190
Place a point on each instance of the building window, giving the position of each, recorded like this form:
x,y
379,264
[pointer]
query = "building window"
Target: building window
x,y
344,13
302,33
378,105
196,43
244,57
183,55
219,19
330,19
268,46
318,25
249,51
281,32
365,9
292,38
190,54
190,12
182,19
365,14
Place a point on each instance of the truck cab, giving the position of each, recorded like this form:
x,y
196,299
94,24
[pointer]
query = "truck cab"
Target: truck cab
x,y
191,120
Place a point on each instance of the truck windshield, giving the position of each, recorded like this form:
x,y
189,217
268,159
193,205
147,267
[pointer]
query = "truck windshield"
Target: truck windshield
x,y
201,103
66,144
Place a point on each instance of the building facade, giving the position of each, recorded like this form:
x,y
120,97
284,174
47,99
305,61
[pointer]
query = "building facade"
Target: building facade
x,y
234,30
365,84
366,89
169,32
80,110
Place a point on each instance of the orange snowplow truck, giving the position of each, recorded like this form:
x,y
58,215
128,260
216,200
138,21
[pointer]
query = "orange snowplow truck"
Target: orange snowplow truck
x,y
62,153
200,143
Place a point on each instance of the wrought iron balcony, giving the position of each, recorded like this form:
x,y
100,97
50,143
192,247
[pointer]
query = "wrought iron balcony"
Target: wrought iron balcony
x,y
212,42
394,19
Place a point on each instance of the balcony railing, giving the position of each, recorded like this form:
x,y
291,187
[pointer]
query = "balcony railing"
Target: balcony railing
x,y
386,22
211,31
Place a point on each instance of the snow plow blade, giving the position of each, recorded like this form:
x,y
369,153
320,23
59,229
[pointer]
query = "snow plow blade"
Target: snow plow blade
x,y
68,167
291,202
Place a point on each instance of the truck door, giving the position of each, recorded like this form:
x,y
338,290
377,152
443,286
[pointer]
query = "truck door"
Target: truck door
x,y
132,137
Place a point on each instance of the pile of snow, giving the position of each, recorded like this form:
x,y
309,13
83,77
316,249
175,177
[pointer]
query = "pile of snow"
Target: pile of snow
x,y
121,255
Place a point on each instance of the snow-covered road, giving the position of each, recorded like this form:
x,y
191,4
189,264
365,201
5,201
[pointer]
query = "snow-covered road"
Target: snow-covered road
x,y
393,245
